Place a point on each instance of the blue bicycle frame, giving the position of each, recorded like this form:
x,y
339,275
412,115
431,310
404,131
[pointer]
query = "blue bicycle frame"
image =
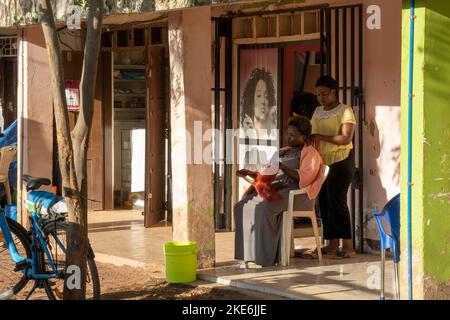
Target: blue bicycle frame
x,y
15,256
36,234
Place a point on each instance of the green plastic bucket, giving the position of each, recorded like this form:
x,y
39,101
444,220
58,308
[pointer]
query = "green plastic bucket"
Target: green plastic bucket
x,y
181,261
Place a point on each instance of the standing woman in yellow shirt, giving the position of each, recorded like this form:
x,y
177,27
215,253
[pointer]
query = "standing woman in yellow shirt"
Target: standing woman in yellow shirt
x,y
333,126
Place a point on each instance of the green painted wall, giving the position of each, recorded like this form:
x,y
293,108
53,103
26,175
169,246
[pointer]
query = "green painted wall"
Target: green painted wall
x,y
431,145
437,132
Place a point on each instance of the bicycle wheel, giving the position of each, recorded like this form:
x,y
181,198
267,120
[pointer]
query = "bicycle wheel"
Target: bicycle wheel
x,y
56,240
11,282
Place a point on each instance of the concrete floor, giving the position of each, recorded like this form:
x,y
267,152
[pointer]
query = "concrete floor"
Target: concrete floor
x,y
120,237
121,233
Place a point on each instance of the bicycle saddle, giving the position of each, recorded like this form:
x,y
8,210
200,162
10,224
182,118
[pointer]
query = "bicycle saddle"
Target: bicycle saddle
x,y
35,183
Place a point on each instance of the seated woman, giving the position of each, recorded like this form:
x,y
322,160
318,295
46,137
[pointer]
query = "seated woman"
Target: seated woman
x,y
258,221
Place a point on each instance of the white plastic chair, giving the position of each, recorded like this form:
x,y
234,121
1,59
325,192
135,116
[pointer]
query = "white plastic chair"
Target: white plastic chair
x,y
7,155
287,233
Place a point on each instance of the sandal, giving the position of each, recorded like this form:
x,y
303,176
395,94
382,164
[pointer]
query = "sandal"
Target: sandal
x,y
326,252
252,265
344,254
306,254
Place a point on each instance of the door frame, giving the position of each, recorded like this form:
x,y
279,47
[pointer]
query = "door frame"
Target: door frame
x,y
155,201
326,48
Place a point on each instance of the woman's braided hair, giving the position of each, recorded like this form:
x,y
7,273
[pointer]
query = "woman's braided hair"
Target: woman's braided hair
x,y
303,126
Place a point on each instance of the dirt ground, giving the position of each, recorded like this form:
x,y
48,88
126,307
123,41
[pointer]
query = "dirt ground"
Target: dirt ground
x,y
129,283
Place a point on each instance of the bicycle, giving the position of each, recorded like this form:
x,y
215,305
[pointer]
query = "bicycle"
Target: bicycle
x,y
39,254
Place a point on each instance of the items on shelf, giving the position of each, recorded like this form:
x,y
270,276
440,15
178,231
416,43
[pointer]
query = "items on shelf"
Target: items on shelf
x,y
129,85
136,102
118,74
129,74
124,58
137,91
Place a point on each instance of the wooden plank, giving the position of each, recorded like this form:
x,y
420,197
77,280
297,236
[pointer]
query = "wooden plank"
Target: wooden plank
x,y
95,152
108,131
311,36
72,63
154,182
235,121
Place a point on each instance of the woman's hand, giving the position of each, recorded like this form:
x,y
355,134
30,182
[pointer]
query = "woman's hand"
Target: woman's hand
x,y
348,129
244,172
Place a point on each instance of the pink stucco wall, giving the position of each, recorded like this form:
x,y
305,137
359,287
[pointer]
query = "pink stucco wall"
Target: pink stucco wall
x,y
382,65
34,111
37,107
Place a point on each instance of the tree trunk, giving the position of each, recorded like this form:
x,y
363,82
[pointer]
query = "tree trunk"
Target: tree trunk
x,y
72,148
81,132
80,140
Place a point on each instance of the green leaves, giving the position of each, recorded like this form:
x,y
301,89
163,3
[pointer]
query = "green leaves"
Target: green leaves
x,y
82,3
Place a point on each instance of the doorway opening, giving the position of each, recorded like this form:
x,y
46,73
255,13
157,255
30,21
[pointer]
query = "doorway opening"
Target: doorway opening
x,y
130,104
137,125
8,109
137,146
8,91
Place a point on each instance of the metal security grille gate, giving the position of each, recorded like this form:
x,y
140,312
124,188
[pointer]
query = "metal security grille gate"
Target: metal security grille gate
x,y
341,56
222,110
343,42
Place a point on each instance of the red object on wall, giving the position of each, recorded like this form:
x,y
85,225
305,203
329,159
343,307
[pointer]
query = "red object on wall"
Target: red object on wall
x,y
72,88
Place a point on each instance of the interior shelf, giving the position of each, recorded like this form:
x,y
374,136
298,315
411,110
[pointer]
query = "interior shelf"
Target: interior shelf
x,y
129,109
130,66
129,85
129,80
130,95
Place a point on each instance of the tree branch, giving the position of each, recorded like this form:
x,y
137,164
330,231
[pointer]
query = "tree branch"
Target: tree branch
x,y
66,157
81,132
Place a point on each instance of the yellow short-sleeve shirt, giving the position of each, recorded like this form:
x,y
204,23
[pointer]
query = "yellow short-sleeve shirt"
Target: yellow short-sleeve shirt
x,y
329,123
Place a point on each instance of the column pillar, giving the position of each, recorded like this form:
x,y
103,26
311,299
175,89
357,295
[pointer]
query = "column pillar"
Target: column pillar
x,y
192,178
430,151
35,111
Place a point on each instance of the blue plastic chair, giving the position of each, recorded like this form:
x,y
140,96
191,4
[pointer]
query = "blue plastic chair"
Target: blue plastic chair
x,y
389,239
